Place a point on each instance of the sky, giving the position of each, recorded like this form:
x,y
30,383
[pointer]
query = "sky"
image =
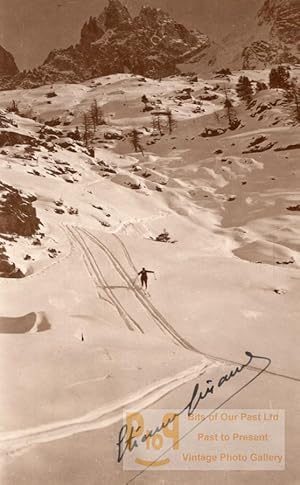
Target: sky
x,y
30,29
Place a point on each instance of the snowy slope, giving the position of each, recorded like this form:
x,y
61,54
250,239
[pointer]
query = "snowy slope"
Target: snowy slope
x,y
95,342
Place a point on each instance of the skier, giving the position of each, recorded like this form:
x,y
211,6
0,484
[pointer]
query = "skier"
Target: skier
x,y
144,277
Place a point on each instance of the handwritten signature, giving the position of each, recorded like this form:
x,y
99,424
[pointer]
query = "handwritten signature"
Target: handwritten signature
x,y
127,440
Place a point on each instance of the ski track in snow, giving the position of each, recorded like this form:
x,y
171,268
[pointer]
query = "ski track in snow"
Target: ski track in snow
x,y
18,441
156,316
277,129
98,277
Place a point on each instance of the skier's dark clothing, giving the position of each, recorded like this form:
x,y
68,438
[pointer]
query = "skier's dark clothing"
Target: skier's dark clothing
x,y
144,277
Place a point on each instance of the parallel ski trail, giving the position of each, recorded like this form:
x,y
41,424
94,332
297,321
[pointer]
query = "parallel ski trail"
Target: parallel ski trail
x,y
150,308
215,358
164,324
100,280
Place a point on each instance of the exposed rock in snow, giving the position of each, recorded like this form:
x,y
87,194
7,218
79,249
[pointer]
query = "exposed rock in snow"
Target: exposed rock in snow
x,y
280,42
8,66
17,214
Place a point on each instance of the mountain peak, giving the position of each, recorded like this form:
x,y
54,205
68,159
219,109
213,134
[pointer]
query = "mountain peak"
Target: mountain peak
x,y
115,15
151,44
146,10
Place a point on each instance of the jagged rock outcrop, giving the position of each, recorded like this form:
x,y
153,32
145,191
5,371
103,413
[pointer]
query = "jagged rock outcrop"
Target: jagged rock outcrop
x,y
17,214
283,16
8,269
279,28
261,54
10,137
151,44
5,120
8,66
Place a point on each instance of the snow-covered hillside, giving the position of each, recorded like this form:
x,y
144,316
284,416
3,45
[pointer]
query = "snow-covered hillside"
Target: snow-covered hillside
x,y
80,340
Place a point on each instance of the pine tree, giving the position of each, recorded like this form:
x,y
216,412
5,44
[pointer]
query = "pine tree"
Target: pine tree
x,y
244,89
231,113
292,97
77,135
279,77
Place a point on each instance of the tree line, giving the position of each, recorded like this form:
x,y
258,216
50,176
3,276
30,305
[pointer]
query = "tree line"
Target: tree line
x,y
279,77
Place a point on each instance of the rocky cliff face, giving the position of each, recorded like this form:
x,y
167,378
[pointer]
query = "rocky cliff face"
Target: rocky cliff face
x,y
154,45
151,44
8,66
17,214
279,29
7,268
283,16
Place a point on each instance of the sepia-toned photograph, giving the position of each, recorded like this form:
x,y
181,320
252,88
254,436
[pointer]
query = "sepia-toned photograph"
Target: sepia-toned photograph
x,y
149,242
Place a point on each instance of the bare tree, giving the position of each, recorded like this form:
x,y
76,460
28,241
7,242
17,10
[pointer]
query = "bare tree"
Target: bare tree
x,y
96,114
135,140
87,129
217,116
156,123
171,121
